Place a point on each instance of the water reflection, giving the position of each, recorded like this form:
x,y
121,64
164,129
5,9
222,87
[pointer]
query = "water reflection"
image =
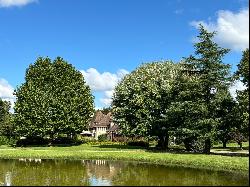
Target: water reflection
x,y
38,172
30,160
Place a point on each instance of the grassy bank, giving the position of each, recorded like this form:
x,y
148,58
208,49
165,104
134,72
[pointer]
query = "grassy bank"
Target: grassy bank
x,y
122,152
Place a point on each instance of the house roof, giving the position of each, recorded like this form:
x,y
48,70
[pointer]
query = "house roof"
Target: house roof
x,y
113,128
100,120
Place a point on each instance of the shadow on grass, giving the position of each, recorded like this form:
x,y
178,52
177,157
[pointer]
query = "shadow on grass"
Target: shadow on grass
x,y
46,145
176,150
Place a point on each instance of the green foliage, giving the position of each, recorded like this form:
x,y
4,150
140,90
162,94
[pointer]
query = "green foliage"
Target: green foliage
x,y
142,98
243,68
40,141
195,102
243,96
7,141
158,98
32,141
53,100
88,140
228,115
64,140
103,138
106,110
6,122
138,143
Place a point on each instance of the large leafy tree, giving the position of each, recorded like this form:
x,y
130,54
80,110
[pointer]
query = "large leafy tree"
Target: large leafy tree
x,y
228,117
53,100
186,109
243,68
141,100
242,74
213,77
6,126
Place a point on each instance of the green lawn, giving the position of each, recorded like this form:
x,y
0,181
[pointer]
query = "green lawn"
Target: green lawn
x,y
128,153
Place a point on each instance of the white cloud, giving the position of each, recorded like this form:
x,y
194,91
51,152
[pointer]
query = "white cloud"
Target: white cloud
x,y
107,99
9,3
103,82
6,92
238,85
232,28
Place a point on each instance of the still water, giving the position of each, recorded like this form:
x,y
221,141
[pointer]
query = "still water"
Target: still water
x,y
37,172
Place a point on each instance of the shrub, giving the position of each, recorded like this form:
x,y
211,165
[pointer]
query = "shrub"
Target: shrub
x,y
32,141
87,139
7,141
64,140
121,139
138,143
195,144
103,138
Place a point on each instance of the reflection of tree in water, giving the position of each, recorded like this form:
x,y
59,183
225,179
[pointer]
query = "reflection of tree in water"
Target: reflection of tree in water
x,y
135,174
46,172
99,172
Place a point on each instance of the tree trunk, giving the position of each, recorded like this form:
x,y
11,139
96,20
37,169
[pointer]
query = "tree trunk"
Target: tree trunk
x,y
224,144
163,142
51,138
240,144
207,146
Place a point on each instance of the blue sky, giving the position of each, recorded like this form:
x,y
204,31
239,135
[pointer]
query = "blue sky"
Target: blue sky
x,y
106,39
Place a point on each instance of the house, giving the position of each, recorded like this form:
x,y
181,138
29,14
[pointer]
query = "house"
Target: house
x,y
103,124
112,132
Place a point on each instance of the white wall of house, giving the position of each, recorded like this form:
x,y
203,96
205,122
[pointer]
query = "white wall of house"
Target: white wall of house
x,y
98,131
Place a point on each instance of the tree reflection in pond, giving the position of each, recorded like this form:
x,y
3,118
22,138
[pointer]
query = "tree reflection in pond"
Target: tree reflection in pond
x,y
39,172
44,173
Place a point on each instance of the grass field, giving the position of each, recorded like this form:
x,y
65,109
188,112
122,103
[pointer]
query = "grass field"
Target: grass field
x,y
128,153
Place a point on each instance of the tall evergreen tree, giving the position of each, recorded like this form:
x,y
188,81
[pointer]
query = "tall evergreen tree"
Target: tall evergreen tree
x,y
213,77
242,74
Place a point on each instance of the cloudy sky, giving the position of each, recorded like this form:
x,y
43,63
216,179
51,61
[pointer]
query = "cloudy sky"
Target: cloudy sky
x,y
106,39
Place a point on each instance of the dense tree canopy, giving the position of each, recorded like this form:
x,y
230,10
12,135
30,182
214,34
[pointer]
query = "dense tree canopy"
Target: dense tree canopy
x,y
228,117
53,100
6,128
161,98
142,98
213,78
243,68
243,96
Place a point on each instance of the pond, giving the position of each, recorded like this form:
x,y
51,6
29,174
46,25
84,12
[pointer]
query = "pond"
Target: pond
x,y
39,172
